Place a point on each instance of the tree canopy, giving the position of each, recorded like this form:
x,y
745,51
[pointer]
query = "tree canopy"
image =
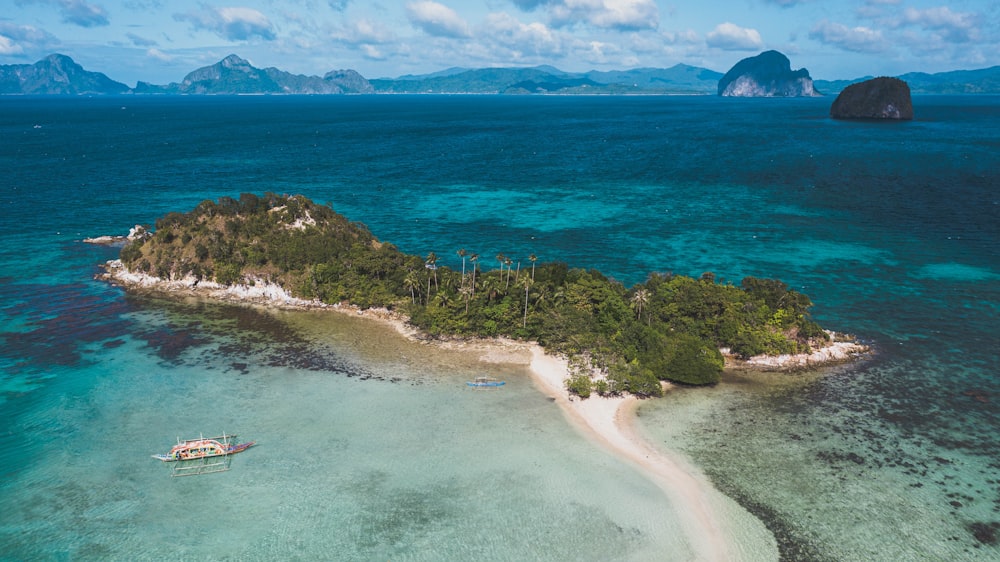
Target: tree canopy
x,y
669,327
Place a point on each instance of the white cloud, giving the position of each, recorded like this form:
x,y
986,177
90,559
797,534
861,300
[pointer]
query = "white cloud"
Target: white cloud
x,y
9,47
599,52
76,12
232,23
243,23
856,39
83,14
372,52
955,27
437,19
534,38
364,31
687,37
159,55
367,37
606,14
731,37
18,39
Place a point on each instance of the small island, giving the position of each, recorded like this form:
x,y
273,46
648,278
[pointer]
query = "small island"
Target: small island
x,y
881,98
768,75
593,345
622,340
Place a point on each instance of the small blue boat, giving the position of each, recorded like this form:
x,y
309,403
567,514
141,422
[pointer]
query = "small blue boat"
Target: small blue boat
x,y
485,382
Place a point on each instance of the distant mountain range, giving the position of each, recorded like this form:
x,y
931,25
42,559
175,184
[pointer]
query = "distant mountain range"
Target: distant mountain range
x,y
982,81
59,74
678,79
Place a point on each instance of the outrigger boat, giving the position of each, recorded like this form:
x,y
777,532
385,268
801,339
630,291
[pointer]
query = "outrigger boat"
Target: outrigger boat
x,y
203,455
483,382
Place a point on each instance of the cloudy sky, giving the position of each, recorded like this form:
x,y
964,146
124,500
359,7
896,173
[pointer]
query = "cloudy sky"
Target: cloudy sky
x,y
159,41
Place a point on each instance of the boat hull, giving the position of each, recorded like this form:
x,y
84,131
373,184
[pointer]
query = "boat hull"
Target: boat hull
x,y
166,457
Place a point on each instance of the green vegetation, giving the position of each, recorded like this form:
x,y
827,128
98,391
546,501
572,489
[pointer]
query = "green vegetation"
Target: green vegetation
x,y
668,328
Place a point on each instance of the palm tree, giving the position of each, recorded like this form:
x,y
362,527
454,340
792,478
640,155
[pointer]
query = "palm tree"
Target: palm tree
x,y
639,300
442,299
411,282
448,281
558,297
474,258
533,259
467,293
501,258
507,262
541,296
527,285
431,263
462,253
491,285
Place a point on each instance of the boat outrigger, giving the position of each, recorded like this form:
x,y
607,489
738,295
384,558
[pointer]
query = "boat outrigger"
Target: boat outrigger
x,y
203,455
485,382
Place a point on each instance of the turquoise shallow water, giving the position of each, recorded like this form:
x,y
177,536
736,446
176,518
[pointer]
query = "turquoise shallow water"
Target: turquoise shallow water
x,y
353,462
890,228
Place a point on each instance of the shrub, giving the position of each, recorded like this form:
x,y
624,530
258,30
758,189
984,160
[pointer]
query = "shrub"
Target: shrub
x,y
693,361
580,385
131,252
227,273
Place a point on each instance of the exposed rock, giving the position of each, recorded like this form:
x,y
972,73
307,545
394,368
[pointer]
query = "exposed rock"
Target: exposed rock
x,y
841,349
878,98
768,74
105,240
254,290
135,233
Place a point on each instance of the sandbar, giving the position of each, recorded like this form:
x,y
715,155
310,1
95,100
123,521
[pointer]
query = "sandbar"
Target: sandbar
x,y
608,421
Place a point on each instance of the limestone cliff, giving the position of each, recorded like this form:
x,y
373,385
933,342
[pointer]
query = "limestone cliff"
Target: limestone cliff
x,y
768,74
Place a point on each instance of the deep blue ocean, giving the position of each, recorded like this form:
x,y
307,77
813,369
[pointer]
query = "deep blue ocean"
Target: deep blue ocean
x,y
893,230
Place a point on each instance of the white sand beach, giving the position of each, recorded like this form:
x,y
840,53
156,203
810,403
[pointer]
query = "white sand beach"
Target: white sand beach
x,y
608,421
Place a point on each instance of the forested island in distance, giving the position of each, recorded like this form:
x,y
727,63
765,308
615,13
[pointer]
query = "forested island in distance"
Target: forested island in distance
x,y
670,327
58,74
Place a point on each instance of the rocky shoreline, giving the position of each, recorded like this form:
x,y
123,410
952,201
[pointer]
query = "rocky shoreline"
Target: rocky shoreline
x,y
842,349
134,233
